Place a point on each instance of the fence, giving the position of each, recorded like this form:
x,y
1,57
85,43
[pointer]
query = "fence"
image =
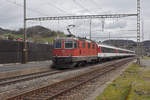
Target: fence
x,y
11,51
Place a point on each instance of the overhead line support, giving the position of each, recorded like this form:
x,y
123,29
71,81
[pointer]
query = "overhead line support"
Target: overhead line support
x,y
138,32
82,17
25,51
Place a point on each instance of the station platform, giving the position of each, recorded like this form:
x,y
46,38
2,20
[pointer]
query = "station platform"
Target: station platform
x,y
12,70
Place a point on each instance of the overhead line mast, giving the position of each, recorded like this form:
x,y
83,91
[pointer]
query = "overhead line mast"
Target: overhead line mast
x,y
25,52
114,37
138,31
82,17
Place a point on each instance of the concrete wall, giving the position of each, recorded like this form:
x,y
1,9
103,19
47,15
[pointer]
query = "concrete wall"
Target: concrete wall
x,y
11,51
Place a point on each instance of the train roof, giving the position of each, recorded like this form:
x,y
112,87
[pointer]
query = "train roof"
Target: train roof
x,y
88,40
74,38
112,47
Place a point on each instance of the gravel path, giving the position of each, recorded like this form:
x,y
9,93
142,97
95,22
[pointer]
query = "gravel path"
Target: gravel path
x,y
12,67
145,62
107,79
92,89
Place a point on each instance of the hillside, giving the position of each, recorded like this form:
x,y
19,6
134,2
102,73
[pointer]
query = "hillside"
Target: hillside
x,y
3,31
120,42
129,44
34,34
147,47
39,31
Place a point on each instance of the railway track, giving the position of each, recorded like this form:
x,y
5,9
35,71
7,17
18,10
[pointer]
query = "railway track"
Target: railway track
x,y
13,80
58,89
17,79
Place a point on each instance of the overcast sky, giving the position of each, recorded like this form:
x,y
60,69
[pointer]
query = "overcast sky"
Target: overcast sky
x,y
11,16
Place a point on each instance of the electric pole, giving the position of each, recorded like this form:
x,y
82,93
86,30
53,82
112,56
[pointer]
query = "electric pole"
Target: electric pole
x,y
109,38
103,24
142,38
25,55
90,28
138,32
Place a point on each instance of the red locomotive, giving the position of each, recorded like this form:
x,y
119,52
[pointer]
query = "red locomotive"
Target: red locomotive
x,y
71,51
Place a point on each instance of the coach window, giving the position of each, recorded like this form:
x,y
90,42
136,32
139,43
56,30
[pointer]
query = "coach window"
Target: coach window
x,y
102,49
83,44
58,44
89,45
69,44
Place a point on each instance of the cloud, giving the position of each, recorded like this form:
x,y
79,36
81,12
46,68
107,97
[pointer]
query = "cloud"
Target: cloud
x,y
11,14
116,25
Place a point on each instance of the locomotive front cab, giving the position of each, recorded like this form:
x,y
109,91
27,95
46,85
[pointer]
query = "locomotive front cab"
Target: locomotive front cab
x,y
64,50
65,47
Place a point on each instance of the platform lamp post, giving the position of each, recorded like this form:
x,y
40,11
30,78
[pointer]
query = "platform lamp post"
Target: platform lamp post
x,y
25,52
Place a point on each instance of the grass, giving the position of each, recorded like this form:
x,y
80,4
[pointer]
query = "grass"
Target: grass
x,y
119,88
46,39
146,58
14,35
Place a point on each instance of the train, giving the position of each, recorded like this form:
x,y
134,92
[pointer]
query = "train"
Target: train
x,y
70,52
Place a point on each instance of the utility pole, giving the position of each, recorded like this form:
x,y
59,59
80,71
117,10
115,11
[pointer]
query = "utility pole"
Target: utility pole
x,y
142,37
109,35
90,28
103,24
109,38
25,54
138,32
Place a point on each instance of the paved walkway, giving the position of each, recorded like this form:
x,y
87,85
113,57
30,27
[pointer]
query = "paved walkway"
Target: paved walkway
x,y
11,67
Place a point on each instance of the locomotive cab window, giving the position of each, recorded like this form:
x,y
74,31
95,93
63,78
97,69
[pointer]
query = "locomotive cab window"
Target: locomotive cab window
x,y
58,44
75,44
83,44
69,44
89,45
93,46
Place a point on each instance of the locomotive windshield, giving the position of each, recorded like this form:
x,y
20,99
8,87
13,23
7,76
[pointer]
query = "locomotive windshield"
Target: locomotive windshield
x,y
69,44
75,44
58,44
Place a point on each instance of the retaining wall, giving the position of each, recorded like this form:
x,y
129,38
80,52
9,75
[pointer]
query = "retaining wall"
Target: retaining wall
x,y
11,51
